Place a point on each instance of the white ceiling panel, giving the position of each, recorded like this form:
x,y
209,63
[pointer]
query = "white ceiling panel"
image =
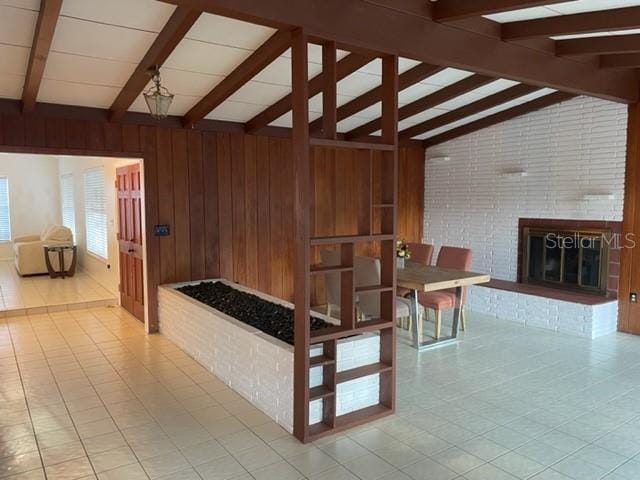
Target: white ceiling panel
x,y
561,8
80,69
181,104
513,103
421,117
11,85
279,72
181,82
260,93
17,26
149,15
314,52
417,91
202,57
630,31
235,111
66,93
350,123
447,77
358,83
227,31
14,60
24,4
523,14
494,87
81,37
374,111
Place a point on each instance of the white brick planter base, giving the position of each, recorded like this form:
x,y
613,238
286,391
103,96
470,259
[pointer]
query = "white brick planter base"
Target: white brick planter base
x,y
588,321
256,365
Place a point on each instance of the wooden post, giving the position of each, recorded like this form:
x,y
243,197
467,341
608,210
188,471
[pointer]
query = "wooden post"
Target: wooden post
x,y
302,194
329,90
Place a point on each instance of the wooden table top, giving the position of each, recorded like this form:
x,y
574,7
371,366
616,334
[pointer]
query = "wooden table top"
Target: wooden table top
x,y
416,276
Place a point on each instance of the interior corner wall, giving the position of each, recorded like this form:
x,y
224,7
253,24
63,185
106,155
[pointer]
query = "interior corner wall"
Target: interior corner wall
x,y
34,195
568,150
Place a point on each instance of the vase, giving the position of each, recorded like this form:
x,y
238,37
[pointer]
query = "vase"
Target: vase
x,y
400,262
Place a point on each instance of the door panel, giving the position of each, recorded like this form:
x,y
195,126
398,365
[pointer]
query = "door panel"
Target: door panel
x,y
130,239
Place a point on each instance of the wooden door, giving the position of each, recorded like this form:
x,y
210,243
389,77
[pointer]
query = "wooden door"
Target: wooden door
x,y
130,233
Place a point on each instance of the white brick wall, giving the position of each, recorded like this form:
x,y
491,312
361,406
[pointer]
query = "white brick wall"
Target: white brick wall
x,y
256,365
569,150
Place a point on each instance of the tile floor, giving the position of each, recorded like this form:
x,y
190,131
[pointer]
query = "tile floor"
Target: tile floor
x,y
85,394
32,293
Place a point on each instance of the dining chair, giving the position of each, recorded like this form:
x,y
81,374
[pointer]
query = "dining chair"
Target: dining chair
x,y
449,257
331,258
368,272
421,253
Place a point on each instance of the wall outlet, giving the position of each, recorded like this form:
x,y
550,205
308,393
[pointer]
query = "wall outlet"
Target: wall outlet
x,y
633,297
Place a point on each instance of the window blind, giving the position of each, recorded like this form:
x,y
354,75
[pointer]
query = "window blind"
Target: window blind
x,y
5,217
68,207
95,212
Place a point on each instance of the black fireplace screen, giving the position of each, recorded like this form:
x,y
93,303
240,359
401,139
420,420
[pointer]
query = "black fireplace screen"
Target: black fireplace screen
x,y
576,260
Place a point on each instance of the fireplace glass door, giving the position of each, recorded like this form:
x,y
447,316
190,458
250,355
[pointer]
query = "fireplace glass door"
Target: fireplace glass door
x,y
572,260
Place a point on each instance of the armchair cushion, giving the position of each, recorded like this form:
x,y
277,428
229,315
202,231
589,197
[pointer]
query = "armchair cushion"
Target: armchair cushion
x,y
29,249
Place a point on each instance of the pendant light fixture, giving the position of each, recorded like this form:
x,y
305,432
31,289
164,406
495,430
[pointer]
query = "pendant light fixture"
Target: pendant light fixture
x,y
158,98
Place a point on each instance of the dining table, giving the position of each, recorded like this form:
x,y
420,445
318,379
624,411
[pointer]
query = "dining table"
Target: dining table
x,y
418,277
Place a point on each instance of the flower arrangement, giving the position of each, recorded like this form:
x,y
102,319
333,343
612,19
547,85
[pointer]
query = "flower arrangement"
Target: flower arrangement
x,y
402,250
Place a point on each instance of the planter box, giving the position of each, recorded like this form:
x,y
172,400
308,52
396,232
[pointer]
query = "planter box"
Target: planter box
x,y
257,366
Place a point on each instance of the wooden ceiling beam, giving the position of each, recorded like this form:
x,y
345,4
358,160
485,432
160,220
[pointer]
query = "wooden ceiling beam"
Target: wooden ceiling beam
x,y
466,111
532,106
42,38
344,68
449,10
389,31
621,60
167,40
275,46
599,45
373,96
589,22
425,103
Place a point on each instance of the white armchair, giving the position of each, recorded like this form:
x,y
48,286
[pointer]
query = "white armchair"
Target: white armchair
x,y
29,249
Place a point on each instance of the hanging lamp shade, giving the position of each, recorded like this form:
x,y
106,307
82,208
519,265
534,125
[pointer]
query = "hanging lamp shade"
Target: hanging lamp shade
x,y
158,98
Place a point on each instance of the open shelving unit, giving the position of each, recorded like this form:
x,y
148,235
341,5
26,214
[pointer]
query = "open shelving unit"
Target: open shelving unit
x,y
384,209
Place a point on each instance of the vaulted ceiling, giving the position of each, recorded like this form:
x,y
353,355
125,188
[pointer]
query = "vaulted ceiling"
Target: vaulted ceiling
x,y
95,53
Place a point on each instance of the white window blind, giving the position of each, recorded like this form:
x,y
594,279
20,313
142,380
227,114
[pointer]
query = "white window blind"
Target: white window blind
x,y
5,217
95,212
68,207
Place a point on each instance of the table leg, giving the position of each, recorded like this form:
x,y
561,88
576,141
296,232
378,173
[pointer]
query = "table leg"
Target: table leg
x,y
61,262
457,312
415,331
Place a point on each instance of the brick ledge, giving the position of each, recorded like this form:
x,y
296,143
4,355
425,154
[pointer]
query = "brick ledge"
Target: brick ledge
x,y
547,292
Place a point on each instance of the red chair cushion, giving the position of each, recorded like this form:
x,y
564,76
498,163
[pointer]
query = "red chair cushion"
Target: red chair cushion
x,y
437,300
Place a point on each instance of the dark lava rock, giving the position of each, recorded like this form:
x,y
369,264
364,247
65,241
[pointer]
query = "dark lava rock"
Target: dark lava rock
x,y
268,317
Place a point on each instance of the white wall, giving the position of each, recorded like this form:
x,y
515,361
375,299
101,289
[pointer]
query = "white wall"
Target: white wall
x,y
34,195
104,272
568,150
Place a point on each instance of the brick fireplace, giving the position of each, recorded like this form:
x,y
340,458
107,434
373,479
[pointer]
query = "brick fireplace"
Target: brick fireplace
x,y
610,252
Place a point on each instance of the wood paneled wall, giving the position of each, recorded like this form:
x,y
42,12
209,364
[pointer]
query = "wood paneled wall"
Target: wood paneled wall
x,y
227,197
628,312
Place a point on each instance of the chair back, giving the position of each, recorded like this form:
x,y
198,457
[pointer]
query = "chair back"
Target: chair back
x,y
421,253
454,257
331,258
367,271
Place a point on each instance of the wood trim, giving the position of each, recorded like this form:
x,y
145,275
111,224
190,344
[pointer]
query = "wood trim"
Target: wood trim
x,y
425,103
620,60
471,109
180,22
598,45
42,38
588,22
499,117
406,79
344,68
449,10
629,313
254,64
